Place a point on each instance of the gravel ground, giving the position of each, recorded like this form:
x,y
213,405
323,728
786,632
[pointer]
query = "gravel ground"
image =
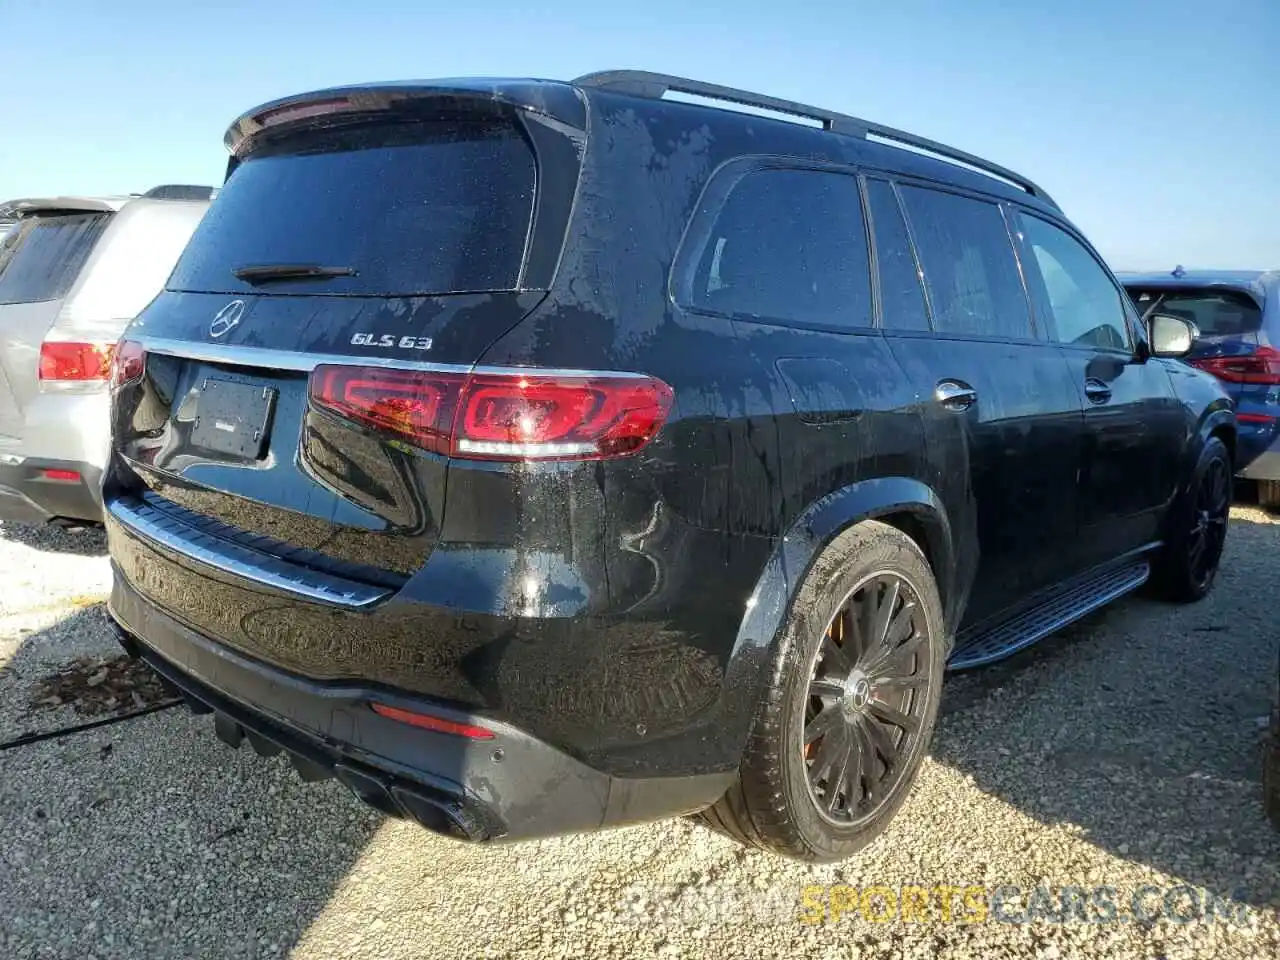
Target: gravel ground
x,y
1123,753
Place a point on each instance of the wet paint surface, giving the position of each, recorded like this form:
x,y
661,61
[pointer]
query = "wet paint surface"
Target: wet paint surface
x,y
624,610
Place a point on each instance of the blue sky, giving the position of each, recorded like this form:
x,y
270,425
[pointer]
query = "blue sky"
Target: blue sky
x,y
1155,125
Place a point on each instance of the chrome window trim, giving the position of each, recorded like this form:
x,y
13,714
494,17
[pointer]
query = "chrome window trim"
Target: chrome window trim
x,y
268,358
242,562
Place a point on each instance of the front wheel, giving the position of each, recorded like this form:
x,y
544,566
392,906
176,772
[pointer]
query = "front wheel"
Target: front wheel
x,y
1197,532
856,683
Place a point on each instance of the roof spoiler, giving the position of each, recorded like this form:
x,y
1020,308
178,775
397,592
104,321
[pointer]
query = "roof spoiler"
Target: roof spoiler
x,y
33,205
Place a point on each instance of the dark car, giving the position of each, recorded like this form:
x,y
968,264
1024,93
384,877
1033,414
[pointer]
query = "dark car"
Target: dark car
x,y
1237,313
538,457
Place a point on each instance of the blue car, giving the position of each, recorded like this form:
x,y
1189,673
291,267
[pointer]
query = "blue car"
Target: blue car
x,y
1238,315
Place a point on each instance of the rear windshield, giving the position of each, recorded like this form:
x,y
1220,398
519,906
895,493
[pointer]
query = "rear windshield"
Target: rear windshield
x,y
41,257
417,208
1216,313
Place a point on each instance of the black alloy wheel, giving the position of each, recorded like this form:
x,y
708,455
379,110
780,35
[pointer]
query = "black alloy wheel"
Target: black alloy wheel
x,y
1208,533
867,699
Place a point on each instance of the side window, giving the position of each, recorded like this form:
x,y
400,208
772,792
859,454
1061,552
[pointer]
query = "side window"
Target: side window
x,y
1087,308
969,265
787,245
43,256
902,305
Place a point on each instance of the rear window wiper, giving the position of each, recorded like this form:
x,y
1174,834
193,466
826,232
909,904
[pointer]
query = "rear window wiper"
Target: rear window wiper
x,y
270,272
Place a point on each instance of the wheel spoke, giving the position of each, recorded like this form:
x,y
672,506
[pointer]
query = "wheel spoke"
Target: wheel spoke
x,y
900,628
888,714
881,743
884,614
833,657
894,660
827,720
898,684
854,637
829,751
867,769
826,687
839,772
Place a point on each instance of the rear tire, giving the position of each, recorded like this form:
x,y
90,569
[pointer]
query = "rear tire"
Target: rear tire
x,y
854,689
1187,565
1269,494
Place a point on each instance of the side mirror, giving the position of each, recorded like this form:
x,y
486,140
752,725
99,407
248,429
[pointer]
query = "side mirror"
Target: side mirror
x,y
1171,336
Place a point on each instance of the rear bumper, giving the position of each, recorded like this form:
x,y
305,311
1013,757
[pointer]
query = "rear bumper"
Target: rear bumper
x,y
1265,466
513,786
28,495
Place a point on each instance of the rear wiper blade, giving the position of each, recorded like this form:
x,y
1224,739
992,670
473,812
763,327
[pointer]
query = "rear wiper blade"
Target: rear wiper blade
x,y
269,272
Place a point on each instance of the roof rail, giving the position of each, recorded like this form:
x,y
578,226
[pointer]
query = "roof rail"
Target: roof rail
x,y
179,191
654,86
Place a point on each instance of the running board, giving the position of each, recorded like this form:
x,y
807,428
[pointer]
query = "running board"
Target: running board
x,y
1009,637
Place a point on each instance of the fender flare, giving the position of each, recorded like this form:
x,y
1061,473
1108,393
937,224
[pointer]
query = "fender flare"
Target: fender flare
x,y
1219,414
808,536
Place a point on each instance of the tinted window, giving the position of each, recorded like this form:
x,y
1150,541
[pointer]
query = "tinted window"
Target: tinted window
x,y
42,257
413,209
1216,313
902,305
1087,308
969,265
788,245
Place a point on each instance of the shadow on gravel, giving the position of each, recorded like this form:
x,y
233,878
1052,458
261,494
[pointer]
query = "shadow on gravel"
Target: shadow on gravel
x,y
89,542
148,836
1143,727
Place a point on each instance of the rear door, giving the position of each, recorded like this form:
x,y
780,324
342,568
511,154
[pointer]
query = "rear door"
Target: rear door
x,y
999,403
39,263
783,254
392,243
1135,427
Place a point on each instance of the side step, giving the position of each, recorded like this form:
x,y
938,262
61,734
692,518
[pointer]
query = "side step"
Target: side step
x,y
1007,638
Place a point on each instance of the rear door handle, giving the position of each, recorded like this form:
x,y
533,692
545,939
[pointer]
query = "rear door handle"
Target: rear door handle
x,y
955,394
1096,391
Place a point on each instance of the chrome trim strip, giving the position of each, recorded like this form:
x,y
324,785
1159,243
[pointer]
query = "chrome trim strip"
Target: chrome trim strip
x,y
239,561
268,358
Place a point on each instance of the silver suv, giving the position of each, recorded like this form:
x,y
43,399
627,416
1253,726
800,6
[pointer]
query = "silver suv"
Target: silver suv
x,y
73,272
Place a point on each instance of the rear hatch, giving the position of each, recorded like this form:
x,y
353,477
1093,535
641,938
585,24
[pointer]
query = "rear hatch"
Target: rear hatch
x,y
1228,320
40,259
383,232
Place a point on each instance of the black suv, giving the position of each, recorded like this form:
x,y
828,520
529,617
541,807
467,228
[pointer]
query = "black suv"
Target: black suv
x,y
539,457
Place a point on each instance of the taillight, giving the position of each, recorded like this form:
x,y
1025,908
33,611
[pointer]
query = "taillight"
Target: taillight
x,y
1261,366
70,361
499,416
128,363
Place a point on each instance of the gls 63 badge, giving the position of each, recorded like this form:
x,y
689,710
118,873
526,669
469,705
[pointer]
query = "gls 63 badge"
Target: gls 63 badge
x,y
390,340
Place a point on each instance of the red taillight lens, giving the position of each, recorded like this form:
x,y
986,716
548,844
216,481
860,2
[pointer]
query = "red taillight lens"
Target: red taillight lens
x,y
499,416
68,360
66,476
128,363
427,722
529,417
412,406
1261,366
